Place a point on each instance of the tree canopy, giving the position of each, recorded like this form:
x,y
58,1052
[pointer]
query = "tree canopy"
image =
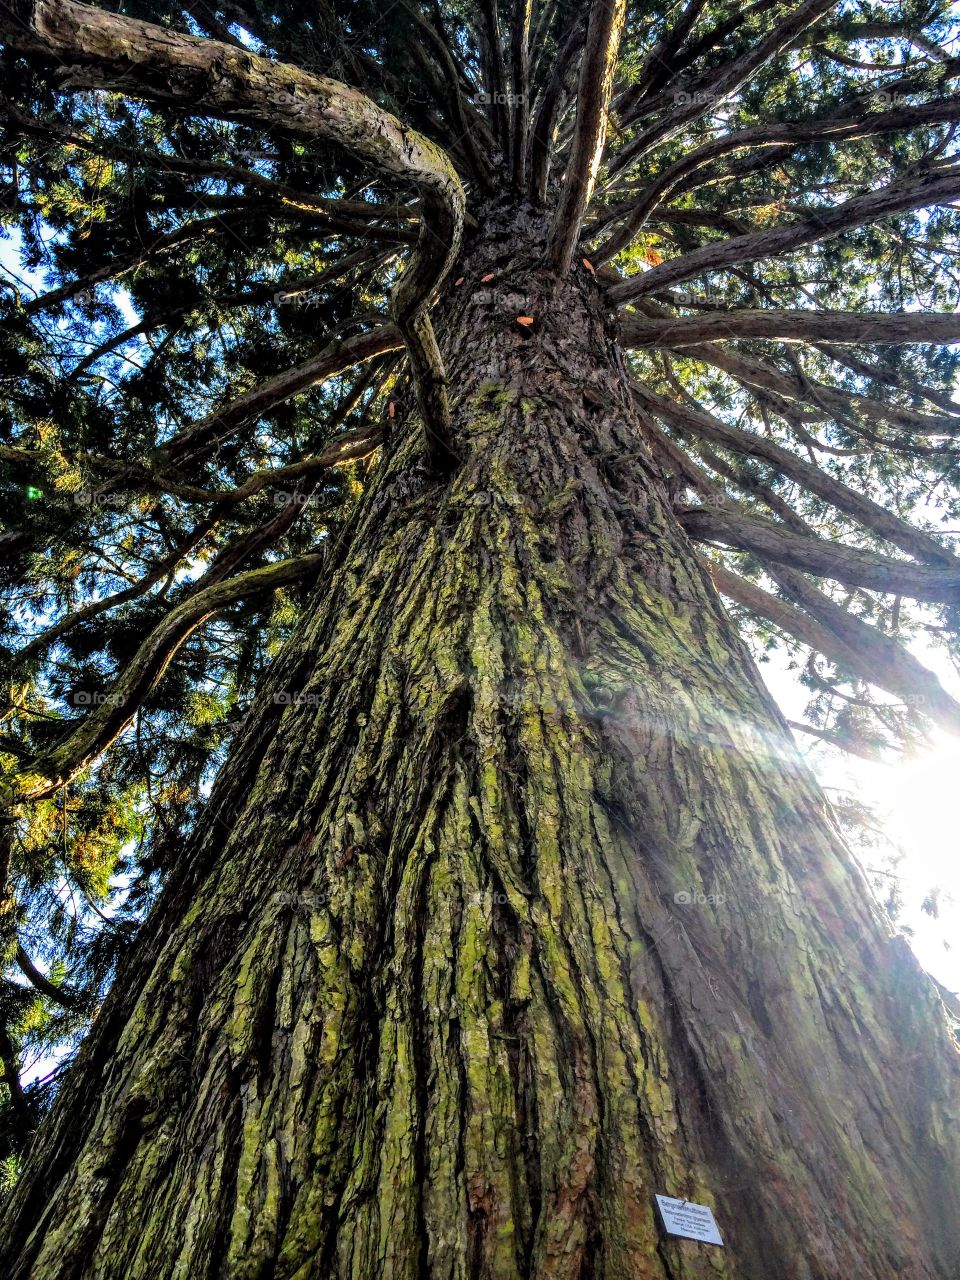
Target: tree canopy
x,y
225,227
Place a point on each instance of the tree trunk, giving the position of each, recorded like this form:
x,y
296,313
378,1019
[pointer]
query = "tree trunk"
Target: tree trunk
x,y
514,907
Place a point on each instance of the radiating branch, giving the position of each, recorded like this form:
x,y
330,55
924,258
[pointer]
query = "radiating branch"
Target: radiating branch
x,y
590,129
779,134
823,559
794,326
939,186
809,476
107,721
210,78
853,645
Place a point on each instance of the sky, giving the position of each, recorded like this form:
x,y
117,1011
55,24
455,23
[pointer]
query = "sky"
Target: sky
x,y
916,800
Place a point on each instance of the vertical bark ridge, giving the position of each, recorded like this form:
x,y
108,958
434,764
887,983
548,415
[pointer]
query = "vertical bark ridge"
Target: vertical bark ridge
x,y
519,909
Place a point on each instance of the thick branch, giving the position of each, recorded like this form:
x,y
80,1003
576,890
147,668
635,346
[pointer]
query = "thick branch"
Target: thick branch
x,y
824,224
103,725
849,565
721,82
59,995
798,326
791,134
590,129
843,639
210,78
810,477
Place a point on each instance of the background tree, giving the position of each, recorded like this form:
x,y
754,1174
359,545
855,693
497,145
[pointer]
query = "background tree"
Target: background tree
x,y
420,366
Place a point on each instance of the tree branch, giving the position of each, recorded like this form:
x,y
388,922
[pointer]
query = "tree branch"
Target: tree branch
x,y
785,136
899,197
104,724
590,129
798,326
210,78
719,83
62,996
863,509
843,639
849,565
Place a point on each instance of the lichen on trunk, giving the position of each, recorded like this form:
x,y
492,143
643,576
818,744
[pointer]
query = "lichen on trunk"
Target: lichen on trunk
x,y
514,907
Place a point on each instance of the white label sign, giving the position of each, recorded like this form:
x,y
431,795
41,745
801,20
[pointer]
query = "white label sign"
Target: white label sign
x,y
684,1218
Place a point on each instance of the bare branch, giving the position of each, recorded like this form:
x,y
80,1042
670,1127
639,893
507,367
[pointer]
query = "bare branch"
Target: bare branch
x,y
785,136
590,129
932,188
844,639
721,82
59,995
901,327
857,505
849,565
104,724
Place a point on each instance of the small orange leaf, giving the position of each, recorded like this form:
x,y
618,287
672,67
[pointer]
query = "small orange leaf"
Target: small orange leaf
x,y
526,321
391,410
589,265
484,279
457,283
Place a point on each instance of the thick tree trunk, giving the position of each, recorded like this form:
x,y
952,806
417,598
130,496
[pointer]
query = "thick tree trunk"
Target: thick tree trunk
x,y
514,907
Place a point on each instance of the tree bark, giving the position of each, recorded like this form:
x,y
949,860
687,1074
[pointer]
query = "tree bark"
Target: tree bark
x,y
514,907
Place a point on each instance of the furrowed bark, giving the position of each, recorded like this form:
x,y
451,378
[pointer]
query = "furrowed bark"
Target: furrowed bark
x,y
514,906
102,50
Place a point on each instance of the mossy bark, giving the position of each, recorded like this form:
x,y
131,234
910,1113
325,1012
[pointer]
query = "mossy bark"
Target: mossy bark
x,y
514,907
